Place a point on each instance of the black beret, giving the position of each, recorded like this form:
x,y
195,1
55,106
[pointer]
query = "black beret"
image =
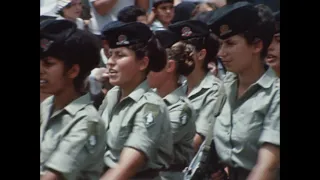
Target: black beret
x,y
167,38
183,11
277,21
158,2
120,34
233,19
190,29
53,32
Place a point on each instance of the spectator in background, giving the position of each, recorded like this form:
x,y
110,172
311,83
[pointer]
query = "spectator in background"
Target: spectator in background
x,y
70,10
105,11
183,11
131,14
163,14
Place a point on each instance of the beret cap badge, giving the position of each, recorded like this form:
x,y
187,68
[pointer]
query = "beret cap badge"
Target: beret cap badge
x,y
45,44
186,32
122,40
224,29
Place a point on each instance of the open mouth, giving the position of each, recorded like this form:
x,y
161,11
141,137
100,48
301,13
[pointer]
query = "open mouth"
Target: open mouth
x,y
271,58
43,82
112,72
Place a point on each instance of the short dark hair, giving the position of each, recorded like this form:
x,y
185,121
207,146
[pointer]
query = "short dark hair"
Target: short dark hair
x,y
130,13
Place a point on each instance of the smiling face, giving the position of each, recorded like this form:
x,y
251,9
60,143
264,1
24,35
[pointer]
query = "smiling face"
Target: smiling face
x,y
124,67
236,54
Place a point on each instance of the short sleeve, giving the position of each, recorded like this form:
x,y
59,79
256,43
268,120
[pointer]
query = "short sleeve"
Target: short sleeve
x,y
181,121
206,116
71,152
271,125
146,130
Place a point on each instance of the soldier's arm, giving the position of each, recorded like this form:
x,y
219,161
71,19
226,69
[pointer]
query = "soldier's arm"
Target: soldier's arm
x,y
103,6
140,145
269,153
130,162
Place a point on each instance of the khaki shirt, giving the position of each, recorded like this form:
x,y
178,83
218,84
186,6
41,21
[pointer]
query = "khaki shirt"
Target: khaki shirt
x,y
139,121
182,117
245,124
72,139
203,98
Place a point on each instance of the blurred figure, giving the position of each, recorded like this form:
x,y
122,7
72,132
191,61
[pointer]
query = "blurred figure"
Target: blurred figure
x,y
204,7
105,11
273,57
163,13
131,14
70,10
183,11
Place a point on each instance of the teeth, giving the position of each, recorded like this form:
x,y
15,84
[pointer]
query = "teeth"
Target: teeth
x,y
43,81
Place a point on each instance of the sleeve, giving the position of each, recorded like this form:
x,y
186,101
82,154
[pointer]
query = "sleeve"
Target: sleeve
x,y
146,130
181,123
271,125
71,152
206,117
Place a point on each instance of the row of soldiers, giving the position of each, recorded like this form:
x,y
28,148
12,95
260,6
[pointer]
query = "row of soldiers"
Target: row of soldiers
x,y
152,125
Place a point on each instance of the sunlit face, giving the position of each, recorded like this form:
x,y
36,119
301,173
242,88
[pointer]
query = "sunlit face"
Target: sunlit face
x,y
165,12
73,10
236,54
123,66
142,19
53,76
273,57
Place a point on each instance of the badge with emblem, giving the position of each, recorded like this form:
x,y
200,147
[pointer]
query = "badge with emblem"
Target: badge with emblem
x,y
122,40
45,44
186,32
92,136
183,119
224,29
149,119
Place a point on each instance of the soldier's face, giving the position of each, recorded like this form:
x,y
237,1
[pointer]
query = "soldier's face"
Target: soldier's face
x,y
236,54
54,77
273,57
124,68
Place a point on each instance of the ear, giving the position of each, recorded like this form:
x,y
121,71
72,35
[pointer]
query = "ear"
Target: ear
x,y
202,54
171,66
257,45
143,63
74,71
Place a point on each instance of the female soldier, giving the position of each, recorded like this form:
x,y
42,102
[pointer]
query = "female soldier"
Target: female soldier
x,y
181,112
246,134
71,134
201,86
273,57
139,140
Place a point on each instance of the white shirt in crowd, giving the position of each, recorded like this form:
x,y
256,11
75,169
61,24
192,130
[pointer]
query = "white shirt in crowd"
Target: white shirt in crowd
x,y
97,21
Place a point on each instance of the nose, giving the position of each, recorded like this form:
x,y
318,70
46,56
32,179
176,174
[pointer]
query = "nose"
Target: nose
x,y
221,52
110,62
271,47
168,10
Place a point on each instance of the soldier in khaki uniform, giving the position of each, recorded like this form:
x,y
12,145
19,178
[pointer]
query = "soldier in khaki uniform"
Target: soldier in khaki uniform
x,y
182,114
273,57
72,133
139,139
201,86
247,132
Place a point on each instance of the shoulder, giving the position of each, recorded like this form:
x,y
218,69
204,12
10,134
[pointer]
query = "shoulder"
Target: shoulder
x,y
151,101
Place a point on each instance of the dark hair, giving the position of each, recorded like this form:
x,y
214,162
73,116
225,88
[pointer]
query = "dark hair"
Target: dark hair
x,y
182,54
203,16
156,4
80,48
155,52
130,13
60,12
210,43
263,30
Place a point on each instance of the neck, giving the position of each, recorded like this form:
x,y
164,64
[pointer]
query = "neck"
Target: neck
x,y
251,74
128,88
167,87
64,98
195,78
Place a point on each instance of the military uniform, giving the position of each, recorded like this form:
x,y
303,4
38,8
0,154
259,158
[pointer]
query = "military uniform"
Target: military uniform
x,y
72,139
182,117
245,124
203,98
139,121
